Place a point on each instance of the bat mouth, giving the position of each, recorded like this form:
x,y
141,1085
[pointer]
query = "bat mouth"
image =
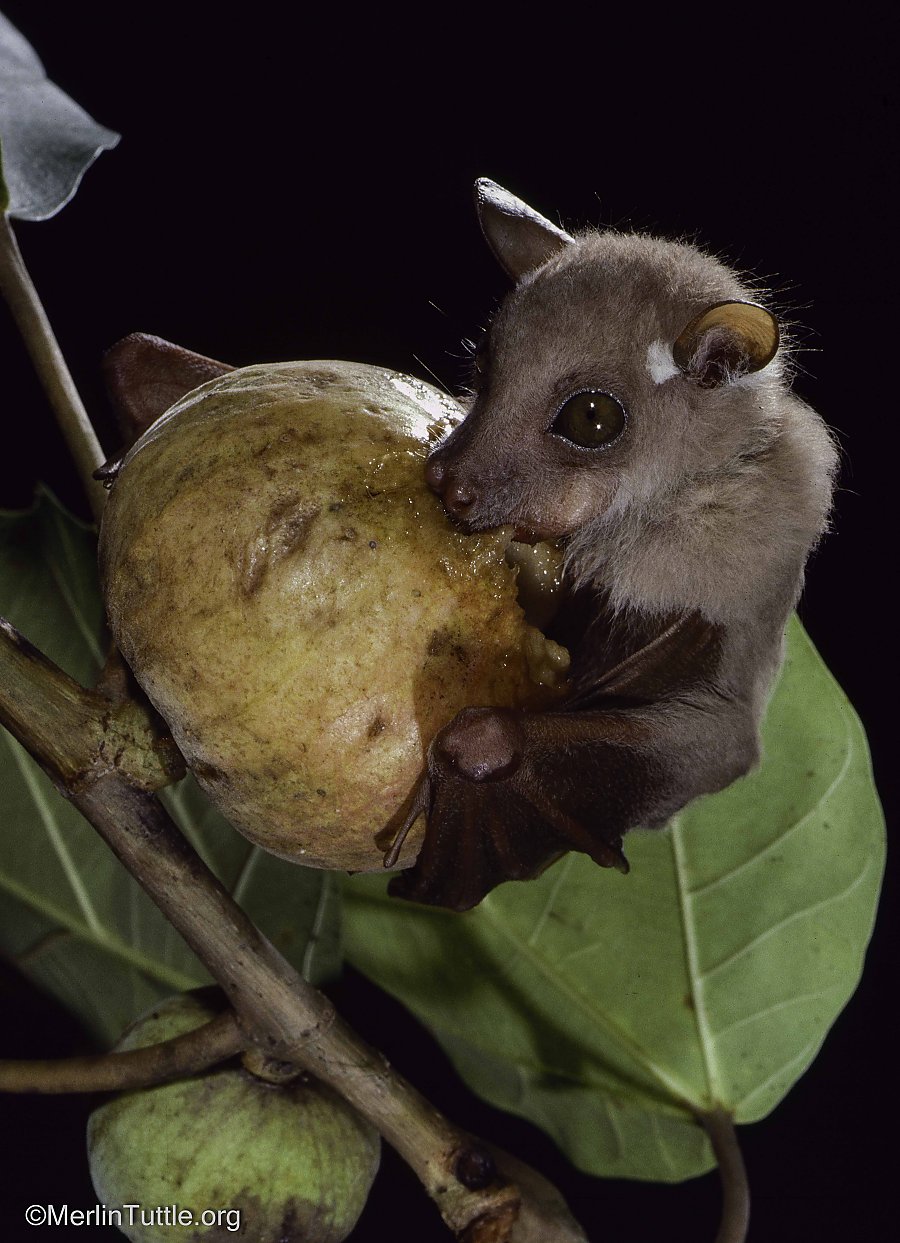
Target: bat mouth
x,y
521,534
537,558
539,573
533,535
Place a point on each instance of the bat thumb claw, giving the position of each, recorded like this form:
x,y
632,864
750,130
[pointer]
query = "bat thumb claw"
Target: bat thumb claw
x,y
611,855
418,807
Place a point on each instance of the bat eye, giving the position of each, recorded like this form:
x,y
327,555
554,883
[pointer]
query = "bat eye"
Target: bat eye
x,y
590,419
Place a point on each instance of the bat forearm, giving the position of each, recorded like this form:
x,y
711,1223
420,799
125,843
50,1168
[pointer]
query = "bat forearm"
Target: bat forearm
x,y
636,767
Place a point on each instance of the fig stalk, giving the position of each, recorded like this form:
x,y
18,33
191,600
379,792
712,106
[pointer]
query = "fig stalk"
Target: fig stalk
x,y
216,1041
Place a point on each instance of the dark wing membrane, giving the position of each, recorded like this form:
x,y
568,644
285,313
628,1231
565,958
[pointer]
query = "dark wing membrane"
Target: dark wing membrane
x,y
628,661
478,835
145,375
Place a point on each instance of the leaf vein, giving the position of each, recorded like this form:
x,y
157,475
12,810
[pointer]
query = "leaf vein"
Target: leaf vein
x,y
149,967
247,868
71,603
776,1006
797,1059
822,904
186,820
315,932
61,850
631,1047
692,961
669,1105
779,840
564,870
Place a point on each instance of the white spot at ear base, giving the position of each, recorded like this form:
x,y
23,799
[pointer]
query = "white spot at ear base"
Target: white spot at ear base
x,y
660,363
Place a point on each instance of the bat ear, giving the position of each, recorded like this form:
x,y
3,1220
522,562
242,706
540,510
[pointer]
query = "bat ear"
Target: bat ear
x,y
726,341
520,237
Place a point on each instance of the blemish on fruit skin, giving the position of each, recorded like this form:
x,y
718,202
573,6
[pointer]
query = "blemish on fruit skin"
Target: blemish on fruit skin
x,y
377,726
286,531
322,380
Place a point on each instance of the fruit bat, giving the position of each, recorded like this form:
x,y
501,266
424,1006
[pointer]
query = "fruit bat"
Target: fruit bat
x,y
630,400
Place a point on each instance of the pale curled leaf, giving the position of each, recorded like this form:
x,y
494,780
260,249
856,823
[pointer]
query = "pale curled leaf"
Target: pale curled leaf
x,y
606,1009
70,916
47,141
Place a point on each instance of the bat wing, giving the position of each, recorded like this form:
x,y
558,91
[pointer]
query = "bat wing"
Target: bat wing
x,y
144,376
505,794
478,836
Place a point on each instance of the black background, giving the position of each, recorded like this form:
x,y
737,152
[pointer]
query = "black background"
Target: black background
x,y
300,187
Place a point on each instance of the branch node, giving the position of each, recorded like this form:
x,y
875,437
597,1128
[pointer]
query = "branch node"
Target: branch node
x,y
270,1069
475,1168
494,1226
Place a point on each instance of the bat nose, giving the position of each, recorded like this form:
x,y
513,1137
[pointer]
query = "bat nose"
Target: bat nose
x,y
435,471
457,497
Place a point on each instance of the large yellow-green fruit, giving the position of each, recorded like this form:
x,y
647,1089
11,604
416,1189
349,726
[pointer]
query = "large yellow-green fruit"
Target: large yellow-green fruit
x,y
299,608
292,1163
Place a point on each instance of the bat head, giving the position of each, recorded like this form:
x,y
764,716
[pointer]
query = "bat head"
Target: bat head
x,y
617,364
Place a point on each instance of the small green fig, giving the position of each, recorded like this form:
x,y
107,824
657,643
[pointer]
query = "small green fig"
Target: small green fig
x,y
299,608
244,1158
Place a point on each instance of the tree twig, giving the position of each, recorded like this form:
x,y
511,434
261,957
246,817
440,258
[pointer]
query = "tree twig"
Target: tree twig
x,y
19,291
283,1015
183,1055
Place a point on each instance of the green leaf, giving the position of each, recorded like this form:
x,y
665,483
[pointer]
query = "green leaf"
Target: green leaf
x,y
71,917
47,141
606,1008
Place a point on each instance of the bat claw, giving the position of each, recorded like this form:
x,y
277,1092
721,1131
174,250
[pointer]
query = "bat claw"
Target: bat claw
x,y
611,855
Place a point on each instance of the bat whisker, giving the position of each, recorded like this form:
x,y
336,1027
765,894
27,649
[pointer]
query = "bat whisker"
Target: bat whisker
x,y
434,374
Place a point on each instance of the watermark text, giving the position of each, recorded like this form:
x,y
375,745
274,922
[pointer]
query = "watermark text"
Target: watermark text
x,y
132,1215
